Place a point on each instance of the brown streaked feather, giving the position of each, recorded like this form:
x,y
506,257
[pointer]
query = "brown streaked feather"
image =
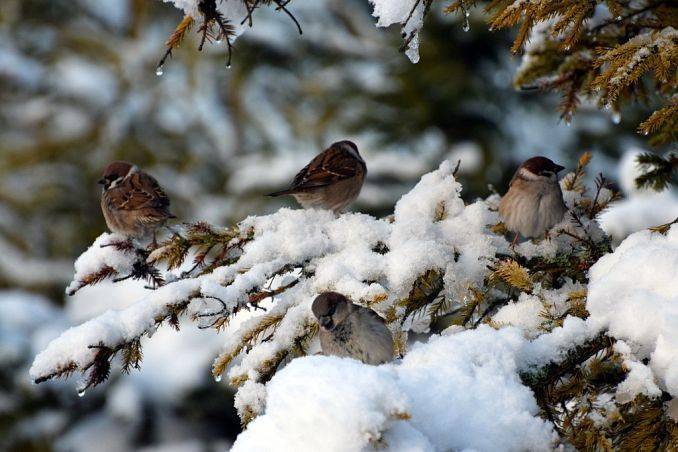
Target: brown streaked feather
x,y
331,166
139,191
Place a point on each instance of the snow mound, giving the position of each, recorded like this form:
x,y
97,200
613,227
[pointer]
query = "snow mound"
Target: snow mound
x,y
452,393
633,293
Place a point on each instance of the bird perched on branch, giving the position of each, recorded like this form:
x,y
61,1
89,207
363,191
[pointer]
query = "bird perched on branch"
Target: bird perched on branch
x,y
534,202
132,201
347,329
332,180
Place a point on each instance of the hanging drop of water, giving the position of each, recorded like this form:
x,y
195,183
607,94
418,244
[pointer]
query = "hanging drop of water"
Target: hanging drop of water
x,y
619,18
466,26
467,13
616,117
81,392
159,71
217,378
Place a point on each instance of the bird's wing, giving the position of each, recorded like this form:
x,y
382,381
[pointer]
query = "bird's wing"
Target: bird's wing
x,y
139,191
331,166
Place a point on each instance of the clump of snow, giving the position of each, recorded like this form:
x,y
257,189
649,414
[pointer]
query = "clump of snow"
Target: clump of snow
x,y
524,313
102,254
404,12
633,293
453,393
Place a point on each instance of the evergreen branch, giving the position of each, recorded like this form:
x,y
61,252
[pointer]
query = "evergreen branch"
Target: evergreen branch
x,y
512,273
176,38
92,278
658,172
425,290
620,19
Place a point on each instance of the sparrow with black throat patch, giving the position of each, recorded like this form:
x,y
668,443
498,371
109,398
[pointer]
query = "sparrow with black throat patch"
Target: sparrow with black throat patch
x,y
332,180
534,202
350,330
133,203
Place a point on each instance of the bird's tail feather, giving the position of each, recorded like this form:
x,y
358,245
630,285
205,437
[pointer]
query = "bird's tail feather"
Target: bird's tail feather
x,y
280,193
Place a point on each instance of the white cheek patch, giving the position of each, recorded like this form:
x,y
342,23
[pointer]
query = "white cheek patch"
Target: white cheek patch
x,y
115,183
528,175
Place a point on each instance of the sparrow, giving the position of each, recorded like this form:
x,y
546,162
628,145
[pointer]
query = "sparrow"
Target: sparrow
x,y
347,329
332,180
132,201
534,202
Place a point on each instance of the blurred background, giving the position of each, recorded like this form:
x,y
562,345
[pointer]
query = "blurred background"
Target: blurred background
x,y
78,88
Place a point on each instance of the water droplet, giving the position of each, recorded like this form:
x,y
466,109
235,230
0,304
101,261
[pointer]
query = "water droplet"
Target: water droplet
x,y
218,40
619,18
466,26
81,392
467,13
616,117
228,66
646,133
159,71
217,378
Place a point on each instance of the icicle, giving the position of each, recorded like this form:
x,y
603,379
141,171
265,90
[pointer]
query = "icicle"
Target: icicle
x,y
159,71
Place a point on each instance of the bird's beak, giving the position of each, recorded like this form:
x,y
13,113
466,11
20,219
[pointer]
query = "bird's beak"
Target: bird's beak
x,y
101,181
559,168
325,321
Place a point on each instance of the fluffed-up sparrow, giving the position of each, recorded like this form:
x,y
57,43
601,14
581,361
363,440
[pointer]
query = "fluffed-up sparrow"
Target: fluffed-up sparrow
x,y
332,180
534,202
347,329
132,201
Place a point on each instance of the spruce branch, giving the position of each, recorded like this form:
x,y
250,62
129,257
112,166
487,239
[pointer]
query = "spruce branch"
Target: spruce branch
x,y
658,172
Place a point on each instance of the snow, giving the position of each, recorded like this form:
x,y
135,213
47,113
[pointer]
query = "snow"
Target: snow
x,y
112,328
633,293
524,313
102,254
471,399
389,12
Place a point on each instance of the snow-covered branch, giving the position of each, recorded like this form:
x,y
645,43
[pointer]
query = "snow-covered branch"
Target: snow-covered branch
x,y
506,327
